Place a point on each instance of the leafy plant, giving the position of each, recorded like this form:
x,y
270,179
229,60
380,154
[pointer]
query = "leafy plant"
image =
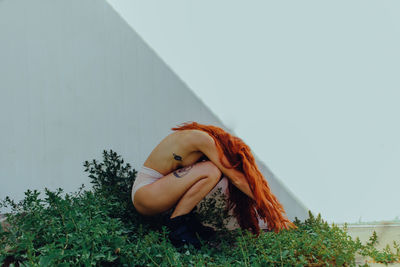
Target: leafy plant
x,y
74,229
100,227
212,210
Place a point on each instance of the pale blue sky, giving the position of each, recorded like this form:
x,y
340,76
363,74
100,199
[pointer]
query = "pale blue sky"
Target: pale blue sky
x,y
312,86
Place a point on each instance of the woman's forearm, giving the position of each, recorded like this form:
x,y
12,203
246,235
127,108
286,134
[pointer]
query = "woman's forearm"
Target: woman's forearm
x,y
244,187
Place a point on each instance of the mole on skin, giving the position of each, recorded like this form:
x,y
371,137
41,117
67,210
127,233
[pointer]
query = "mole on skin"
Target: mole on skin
x,y
183,171
176,157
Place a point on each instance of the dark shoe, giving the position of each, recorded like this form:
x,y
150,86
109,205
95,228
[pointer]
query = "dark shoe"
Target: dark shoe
x,y
181,233
205,232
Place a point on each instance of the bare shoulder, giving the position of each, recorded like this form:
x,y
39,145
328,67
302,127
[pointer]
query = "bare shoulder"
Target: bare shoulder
x,y
199,139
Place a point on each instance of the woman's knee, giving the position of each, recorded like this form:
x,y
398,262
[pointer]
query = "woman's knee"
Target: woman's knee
x,y
211,170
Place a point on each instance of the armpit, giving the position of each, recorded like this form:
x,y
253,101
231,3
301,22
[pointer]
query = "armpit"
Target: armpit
x,y
203,158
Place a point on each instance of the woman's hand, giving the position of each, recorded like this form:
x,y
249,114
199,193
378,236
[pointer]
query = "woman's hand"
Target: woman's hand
x,y
206,144
244,187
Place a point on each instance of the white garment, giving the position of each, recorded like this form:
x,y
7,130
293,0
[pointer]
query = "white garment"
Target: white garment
x,y
144,177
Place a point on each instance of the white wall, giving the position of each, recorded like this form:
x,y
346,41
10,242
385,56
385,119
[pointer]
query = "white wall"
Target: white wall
x,y
76,79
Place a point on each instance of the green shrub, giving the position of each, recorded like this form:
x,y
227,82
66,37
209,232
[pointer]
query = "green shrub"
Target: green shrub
x,y
72,229
100,227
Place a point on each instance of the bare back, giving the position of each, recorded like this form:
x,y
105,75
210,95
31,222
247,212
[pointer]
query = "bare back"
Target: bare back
x,y
176,150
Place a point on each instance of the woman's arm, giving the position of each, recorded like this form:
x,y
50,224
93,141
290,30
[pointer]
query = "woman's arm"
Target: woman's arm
x,y
206,144
245,188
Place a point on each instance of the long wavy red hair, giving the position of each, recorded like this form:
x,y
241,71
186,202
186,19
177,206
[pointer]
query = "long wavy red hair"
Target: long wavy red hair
x,y
246,210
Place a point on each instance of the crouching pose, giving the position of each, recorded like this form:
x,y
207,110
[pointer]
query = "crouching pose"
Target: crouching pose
x,y
186,165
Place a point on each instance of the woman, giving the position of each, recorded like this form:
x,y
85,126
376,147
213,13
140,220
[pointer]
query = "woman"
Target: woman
x,y
187,164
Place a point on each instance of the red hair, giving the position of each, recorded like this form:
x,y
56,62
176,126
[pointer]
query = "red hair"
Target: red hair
x,y
245,209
